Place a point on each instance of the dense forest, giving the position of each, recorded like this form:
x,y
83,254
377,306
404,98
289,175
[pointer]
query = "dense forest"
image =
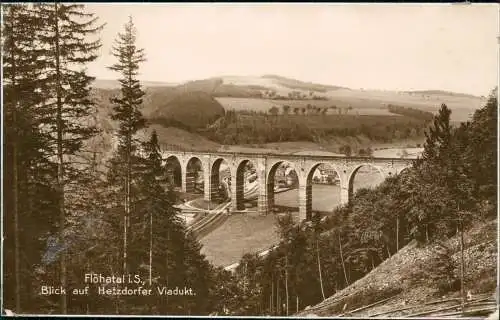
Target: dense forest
x,y
253,127
69,212
199,113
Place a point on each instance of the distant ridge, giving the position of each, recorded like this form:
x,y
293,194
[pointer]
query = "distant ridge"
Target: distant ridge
x,y
443,92
286,82
298,84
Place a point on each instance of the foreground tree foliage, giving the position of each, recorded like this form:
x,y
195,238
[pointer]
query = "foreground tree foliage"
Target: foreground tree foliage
x,y
23,156
65,213
50,53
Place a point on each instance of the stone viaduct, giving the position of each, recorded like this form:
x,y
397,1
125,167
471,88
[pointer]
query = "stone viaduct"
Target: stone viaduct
x,y
266,166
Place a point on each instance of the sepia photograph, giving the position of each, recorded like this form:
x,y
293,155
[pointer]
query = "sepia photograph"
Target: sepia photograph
x,y
250,159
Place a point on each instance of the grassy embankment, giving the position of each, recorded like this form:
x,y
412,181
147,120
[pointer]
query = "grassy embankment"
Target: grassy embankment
x,y
408,290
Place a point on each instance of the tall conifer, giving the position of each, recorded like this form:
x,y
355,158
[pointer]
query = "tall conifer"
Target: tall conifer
x,y
20,72
64,41
126,111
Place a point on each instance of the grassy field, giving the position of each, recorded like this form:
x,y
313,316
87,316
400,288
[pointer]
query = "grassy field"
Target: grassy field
x,y
364,103
240,234
368,102
247,104
462,106
171,138
263,105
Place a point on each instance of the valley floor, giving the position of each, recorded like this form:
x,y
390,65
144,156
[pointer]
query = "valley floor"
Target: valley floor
x,y
240,234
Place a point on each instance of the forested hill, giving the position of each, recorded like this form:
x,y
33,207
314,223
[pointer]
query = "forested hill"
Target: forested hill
x,y
281,90
331,123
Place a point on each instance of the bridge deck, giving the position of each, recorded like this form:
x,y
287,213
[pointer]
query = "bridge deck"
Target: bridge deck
x,y
287,155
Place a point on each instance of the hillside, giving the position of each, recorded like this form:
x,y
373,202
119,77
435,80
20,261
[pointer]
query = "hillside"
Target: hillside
x,y
172,138
177,137
301,85
404,279
271,87
194,109
183,109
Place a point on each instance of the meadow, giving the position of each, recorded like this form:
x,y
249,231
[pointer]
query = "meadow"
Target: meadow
x,y
363,107
240,234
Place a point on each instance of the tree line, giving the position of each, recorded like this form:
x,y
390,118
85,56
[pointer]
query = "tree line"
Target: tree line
x,y
245,127
410,112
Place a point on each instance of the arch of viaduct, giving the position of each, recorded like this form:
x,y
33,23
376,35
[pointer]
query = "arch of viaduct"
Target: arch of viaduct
x,y
266,165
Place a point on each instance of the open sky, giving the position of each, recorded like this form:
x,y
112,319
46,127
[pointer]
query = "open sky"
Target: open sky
x,y
385,46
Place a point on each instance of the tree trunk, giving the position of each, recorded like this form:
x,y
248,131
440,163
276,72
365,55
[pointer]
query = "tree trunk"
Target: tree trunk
x,y
319,270
245,279
15,182
342,260
462,264
278,307
427,233
150,247
270,304
167,261
127,206
15,204
128,184
272,293
60,164
286,282
397,233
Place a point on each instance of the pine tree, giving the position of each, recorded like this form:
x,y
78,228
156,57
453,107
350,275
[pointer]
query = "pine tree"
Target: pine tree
x,y
154,208
438,137
64,41
17,90
126,111
160,248
482,148
27,166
